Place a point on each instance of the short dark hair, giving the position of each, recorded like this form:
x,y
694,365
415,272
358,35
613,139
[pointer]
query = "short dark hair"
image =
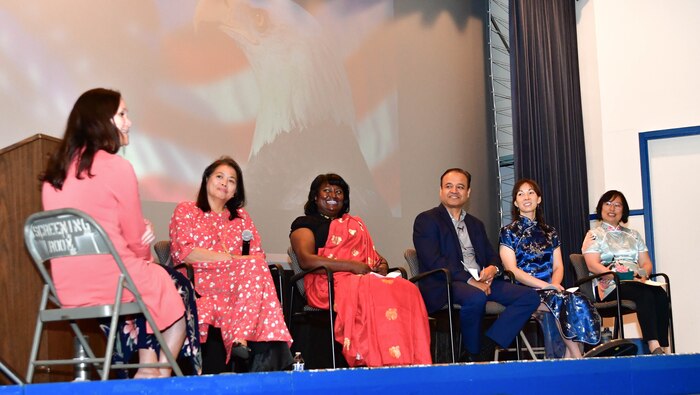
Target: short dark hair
x,y
514,211
238,199
458,170
609,196
310,207
89,129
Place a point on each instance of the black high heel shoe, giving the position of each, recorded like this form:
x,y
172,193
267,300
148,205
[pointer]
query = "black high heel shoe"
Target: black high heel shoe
x,y
240,351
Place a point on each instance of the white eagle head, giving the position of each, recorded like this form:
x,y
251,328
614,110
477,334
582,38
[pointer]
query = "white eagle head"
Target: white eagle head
x,y
301,79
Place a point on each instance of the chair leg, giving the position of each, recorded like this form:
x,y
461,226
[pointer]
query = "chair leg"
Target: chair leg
x,y
112,332
670,327
10,374
528,346
452,334
37,335
332,327
618,329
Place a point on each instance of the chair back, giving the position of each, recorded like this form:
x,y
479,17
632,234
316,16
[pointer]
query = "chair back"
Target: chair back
x,y
411,258
69,232
162,250
581,271
294,264
65,233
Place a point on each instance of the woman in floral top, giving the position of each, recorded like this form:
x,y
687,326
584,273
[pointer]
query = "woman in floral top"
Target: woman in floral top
x,y
530,249
237,294
611,246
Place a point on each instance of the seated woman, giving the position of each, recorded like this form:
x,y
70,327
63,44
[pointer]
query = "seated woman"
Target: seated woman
x,y
237,292
380,321
530,249
611,246
86,173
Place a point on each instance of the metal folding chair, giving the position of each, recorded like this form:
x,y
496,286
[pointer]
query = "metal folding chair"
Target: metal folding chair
x,y
69,233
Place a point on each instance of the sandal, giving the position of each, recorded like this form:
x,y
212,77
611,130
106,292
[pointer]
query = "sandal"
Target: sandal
x,y
658,351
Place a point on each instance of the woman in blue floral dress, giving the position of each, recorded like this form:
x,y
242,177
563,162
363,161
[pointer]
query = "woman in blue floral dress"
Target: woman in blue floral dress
x,y
530,249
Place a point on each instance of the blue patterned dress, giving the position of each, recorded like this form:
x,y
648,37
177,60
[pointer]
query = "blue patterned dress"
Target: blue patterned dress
x,y
534,245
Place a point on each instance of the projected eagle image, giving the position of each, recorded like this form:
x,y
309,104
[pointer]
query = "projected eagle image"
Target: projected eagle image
x,y
305,123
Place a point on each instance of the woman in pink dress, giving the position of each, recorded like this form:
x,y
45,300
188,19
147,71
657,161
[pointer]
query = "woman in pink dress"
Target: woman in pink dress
x,y
86,173
237,294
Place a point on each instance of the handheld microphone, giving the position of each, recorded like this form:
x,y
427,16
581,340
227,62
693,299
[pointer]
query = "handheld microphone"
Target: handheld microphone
x,y
247,236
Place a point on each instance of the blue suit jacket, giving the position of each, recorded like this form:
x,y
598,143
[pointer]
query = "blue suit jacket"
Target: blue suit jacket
x,y
437,246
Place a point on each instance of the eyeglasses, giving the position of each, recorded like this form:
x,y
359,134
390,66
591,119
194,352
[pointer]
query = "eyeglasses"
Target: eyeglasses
x,y
613,204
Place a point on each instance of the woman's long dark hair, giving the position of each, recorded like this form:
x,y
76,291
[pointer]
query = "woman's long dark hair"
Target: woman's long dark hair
x,y
515,212
310,207
238,199
88,130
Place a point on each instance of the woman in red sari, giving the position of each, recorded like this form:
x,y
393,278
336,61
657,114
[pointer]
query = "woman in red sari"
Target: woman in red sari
x,y
380,321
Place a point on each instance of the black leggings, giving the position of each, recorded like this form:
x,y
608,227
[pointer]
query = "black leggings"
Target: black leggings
x,y
652,309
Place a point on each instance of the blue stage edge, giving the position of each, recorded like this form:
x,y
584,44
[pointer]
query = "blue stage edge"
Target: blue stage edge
x,y
669,374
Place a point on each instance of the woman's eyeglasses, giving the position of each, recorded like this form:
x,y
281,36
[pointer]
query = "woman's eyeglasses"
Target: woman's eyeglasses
x,y
613,204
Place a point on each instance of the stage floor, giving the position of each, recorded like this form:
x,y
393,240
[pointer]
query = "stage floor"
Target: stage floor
x,y
665,374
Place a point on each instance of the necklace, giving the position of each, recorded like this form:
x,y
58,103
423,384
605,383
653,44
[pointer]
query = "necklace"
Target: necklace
x,y
325,216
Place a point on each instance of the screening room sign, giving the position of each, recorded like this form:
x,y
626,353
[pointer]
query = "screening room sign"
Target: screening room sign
x,y
65,236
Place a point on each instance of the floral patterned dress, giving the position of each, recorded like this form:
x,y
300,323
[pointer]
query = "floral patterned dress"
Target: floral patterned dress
x,y
534,245
238,296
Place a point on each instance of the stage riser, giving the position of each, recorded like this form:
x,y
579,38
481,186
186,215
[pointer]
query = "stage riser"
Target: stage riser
x,y
674,374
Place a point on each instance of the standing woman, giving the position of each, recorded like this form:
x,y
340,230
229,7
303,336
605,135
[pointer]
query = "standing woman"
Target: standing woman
x,y
611,246
85,173
530,249
237,292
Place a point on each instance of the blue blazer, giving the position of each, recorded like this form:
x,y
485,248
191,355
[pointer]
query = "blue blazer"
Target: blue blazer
x,y
437,246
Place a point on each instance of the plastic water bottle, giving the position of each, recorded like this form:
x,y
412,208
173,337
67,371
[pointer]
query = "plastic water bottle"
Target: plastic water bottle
x,y
605,336
81,370
298,365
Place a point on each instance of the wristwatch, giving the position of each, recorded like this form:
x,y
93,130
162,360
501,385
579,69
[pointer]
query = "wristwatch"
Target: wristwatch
x,y
498,271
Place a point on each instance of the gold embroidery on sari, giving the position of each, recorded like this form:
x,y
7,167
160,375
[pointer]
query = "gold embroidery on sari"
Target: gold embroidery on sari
x,y
395,352
391,314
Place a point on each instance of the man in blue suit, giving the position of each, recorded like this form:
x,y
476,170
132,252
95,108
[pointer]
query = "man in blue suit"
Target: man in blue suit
x,y
447,237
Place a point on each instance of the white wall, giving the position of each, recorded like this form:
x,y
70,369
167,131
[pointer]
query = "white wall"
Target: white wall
x,y
639,62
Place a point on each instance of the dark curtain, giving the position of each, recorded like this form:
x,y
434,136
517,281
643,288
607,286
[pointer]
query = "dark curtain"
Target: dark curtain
x,y
547,119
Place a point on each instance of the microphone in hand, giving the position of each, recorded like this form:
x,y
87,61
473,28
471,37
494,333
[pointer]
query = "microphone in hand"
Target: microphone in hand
x,y
247,236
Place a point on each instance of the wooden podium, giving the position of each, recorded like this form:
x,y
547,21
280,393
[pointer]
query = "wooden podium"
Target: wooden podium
x,y
20,283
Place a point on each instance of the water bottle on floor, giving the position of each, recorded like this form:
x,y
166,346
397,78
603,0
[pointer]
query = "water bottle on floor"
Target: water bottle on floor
x,y
298,364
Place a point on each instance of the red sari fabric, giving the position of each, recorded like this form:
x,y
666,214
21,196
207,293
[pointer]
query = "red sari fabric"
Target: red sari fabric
x,y
380,321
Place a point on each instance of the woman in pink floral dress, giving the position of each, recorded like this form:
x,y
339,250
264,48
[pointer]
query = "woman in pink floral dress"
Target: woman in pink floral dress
x,y
237,294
